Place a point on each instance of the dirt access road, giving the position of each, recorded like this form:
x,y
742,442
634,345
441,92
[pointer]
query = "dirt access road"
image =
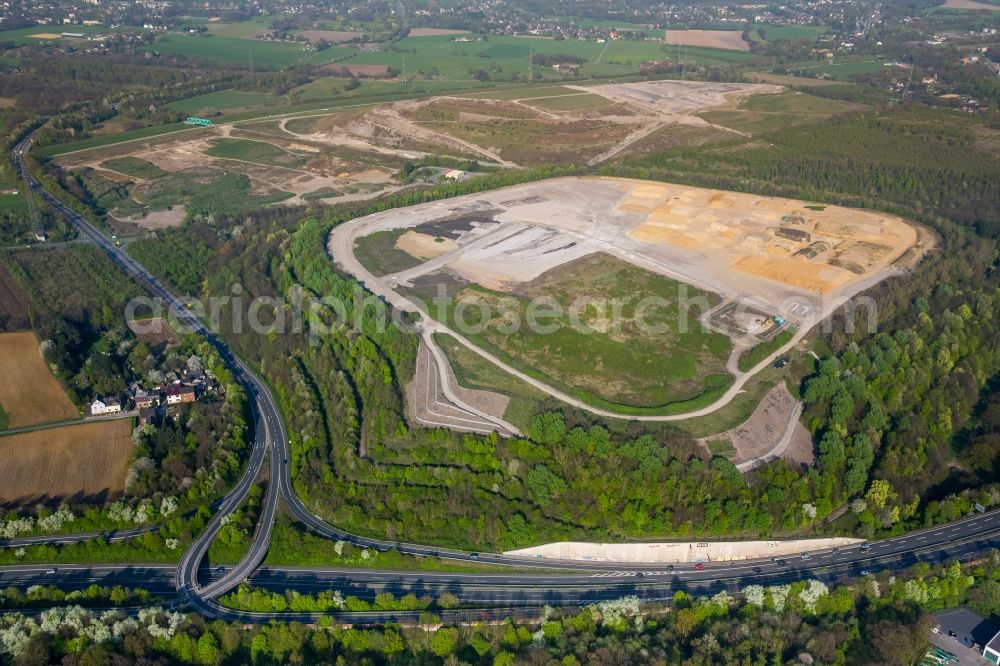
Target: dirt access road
x,y
341,244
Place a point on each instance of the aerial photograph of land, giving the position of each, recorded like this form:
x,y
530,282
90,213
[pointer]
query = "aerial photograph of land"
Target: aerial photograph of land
x,y
500,333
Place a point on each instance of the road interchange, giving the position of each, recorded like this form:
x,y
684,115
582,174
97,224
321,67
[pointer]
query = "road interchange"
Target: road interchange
x,y
198,589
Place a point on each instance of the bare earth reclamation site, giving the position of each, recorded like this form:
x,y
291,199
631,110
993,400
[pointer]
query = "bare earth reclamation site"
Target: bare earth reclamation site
x,y
731,271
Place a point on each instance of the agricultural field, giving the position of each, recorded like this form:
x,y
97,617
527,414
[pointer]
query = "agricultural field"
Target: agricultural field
x,y
38,33
775,33
765,113
253,151
785,80
242,30
719,39
579,102
85,462
698,277
29,394
225,100
842,71
223,50
134,167
12,203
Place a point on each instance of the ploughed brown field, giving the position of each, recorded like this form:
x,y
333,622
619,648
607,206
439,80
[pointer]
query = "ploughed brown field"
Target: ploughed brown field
x,y
715,39
29,393
86,461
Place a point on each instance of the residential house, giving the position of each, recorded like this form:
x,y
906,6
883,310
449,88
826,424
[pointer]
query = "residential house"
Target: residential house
x,y
104,406
179,393
145,400
148,416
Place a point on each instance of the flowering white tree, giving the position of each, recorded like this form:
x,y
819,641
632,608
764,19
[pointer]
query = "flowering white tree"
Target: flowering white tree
x,y
56,521
811,594
614,610
723,600
15,632
779,593
11,528
754,595
168,505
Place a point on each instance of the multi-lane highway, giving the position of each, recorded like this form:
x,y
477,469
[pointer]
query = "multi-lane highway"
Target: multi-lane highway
x,y
581,582
526,591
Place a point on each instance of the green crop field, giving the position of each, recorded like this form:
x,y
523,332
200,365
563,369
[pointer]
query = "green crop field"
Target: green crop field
x,y
243,29
501,51
775,33
225,100
12,203
204,190
133,166
211,48
766,113
793,102
110,139
24,35
503,56
578,102
699,55
622,365
842,70
524,92
253,151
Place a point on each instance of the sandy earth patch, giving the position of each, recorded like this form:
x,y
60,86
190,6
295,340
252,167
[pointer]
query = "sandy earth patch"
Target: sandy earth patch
x,y
87,461
154,332
774,252
46,35
819,248
28,392
425,246
678,97
715,39
759,434
158,219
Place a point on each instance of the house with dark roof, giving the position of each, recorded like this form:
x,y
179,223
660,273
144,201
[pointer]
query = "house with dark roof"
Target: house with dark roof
x,y
179,393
